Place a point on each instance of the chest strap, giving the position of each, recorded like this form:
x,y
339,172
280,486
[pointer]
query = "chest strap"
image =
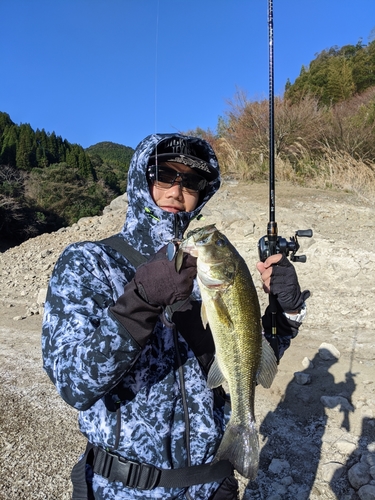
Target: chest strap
x,y
124,248
147,477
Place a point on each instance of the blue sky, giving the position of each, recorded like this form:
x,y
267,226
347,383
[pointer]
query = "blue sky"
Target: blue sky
x,y
118,70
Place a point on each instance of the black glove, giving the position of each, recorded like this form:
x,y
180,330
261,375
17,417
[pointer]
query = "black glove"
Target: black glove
x,y
155,285
159,283
286,330
284,285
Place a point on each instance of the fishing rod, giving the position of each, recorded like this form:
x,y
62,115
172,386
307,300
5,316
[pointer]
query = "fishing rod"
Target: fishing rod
x,y
272,243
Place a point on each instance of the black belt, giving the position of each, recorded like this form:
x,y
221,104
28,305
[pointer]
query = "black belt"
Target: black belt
x,y
147,477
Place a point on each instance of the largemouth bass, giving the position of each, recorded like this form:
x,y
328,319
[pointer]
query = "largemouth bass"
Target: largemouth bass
x,y
243,357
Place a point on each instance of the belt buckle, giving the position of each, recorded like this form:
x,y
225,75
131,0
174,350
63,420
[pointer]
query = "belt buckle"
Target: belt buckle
x,y
139,476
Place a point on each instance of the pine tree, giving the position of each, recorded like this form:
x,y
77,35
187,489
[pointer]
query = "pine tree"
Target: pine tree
x,y
72,157
5,122
25,155
84,165
41,153
53,149
9,147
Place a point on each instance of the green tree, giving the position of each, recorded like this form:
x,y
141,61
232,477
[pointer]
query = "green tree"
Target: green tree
x,y
5,122
72,157
340,85
25,154
41,153
9,146
84,165
53,147
60,182
353,64
364,68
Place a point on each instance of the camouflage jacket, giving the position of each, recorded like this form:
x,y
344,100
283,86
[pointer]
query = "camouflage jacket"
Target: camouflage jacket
x,y
98,367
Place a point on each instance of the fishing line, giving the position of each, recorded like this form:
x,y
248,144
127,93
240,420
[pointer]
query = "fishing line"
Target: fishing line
x,y
156,68
181,374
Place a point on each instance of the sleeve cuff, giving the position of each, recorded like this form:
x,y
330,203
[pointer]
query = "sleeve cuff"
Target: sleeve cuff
x,y
299,317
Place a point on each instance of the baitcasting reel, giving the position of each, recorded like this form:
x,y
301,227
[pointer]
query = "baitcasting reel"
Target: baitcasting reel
x,y
269,245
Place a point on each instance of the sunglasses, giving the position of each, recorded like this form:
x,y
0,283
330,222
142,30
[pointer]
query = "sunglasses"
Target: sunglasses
x,y
164,178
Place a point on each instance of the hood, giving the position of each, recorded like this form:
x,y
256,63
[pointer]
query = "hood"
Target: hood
x,y
147,227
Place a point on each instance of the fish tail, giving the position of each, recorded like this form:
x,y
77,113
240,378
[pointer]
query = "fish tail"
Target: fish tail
x,y
240,446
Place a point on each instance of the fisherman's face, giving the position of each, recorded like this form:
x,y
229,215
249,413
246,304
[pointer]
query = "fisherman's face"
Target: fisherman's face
x,y
175,198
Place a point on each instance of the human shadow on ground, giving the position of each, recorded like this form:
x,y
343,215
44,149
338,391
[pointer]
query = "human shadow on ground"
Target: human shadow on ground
x,y
364,456
293,434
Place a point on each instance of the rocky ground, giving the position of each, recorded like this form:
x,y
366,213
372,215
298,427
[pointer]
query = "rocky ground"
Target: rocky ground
x,y
317,422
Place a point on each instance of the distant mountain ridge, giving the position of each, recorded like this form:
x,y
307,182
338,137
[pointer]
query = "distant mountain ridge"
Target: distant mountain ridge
x,y
111,151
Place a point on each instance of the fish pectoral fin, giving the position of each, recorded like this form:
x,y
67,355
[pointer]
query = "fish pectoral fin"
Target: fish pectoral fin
x,y
268,365
179,258
222,311
215,375
204,315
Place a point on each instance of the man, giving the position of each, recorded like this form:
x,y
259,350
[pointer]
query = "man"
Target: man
x,y
127,347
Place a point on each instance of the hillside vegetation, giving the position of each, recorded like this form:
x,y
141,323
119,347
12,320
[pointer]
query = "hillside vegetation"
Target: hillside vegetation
x,y
324,126
47,182
324,137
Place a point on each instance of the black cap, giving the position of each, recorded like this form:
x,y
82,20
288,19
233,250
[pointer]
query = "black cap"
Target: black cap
x,y
192,152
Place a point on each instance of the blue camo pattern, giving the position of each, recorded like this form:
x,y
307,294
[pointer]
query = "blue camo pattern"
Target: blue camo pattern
x,y
96,366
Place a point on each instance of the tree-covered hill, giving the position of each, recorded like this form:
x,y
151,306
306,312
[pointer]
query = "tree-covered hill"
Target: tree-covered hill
x,y
112,152
47,182
111,162
336,74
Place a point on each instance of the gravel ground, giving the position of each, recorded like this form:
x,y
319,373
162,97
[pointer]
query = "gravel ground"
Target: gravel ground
x,y
316,423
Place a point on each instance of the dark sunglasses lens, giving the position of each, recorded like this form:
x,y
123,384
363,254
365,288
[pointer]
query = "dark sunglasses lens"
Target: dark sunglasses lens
x,y
194,182
167,176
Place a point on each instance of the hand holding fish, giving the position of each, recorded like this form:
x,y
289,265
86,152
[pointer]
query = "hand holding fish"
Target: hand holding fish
x,y
156,285
159,283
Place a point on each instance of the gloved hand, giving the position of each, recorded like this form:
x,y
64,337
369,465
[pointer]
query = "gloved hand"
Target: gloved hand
x,y
284,284
156,284
280,278
159,283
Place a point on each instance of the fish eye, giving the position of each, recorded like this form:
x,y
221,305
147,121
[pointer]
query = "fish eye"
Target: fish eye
x,y
221,242
203,242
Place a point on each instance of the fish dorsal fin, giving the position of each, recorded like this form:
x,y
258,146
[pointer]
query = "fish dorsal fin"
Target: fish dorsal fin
x,y
268,365
215,375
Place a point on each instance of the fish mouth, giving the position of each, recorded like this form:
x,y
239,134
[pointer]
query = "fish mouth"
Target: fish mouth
x,y
190,248
201,235
197,237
